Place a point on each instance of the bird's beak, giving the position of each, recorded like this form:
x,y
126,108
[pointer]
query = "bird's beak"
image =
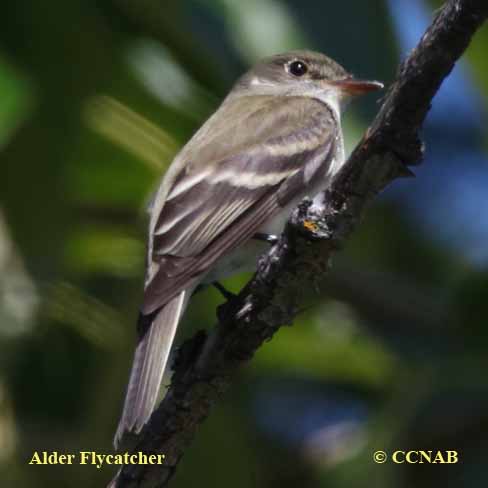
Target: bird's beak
x,y
353,87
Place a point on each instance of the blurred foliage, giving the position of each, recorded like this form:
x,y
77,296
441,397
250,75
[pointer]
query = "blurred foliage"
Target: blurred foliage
x,y
96,99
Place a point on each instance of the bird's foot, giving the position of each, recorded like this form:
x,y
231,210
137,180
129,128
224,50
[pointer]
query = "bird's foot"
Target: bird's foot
x,y
269,238
228,295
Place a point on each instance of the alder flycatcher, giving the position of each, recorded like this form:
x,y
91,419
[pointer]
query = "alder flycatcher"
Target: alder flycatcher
x,y
275,138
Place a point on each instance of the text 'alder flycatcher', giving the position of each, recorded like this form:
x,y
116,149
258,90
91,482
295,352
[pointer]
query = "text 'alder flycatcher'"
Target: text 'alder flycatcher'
x,y
275,138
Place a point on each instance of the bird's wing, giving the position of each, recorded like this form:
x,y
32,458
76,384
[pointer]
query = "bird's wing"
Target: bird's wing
x,y
214,206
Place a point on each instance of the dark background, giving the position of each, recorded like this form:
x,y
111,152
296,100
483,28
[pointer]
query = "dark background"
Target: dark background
x,y
96,97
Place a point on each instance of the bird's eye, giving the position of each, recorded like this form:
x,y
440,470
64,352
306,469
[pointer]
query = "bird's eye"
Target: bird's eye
x,y
298,68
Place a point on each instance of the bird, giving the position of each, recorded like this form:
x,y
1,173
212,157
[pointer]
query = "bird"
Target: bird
x,y
275,138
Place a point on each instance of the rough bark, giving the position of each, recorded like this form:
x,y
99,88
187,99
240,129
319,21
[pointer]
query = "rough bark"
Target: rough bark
x,y
206,363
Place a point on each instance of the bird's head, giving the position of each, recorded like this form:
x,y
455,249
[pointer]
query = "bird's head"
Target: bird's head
x,y
304,73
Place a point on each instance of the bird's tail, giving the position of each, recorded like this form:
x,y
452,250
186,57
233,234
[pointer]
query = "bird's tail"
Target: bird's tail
x,y
150,360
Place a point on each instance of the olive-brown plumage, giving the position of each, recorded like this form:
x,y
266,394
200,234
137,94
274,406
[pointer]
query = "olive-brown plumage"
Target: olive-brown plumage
x,y
275,138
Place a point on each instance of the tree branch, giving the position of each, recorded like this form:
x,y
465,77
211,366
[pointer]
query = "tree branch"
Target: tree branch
x,y
206,364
